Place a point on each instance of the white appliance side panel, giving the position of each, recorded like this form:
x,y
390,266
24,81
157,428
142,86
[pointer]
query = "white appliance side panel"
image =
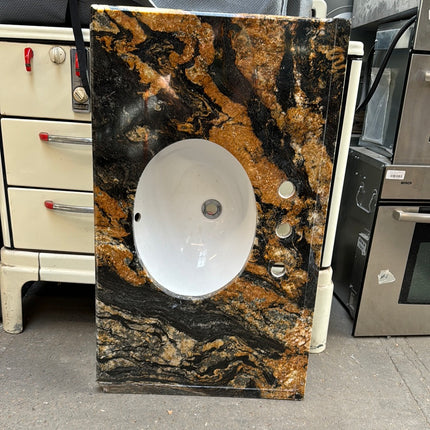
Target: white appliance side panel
x,y
43,92
4,216
36,227
35,163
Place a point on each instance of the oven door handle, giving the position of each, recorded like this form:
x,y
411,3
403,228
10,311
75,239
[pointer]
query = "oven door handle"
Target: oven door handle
x,y
411,216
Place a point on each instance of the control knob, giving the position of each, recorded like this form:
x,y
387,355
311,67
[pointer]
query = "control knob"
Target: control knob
x,y
57,55
80,95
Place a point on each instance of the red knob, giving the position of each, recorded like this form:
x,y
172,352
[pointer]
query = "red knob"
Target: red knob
x,y
28,55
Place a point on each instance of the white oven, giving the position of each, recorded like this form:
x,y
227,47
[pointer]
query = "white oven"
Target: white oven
x,y
46,187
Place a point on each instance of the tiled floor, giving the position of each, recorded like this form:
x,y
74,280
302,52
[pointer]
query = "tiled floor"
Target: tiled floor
x,y
47,377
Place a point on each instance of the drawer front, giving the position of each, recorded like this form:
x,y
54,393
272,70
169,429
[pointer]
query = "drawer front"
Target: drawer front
x,y
45,91
34,226
33,162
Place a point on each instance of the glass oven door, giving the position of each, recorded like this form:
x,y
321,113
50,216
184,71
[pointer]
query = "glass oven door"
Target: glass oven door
x,y
395,298
416,282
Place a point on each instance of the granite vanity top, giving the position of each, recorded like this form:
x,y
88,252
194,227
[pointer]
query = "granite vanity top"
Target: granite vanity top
x,y
268,89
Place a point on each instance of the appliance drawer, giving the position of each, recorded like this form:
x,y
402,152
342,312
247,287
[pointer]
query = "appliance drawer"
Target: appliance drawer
x,y
33,162
37,83
36,226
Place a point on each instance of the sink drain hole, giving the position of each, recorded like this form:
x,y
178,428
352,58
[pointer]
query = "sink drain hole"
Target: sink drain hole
x,y
211,209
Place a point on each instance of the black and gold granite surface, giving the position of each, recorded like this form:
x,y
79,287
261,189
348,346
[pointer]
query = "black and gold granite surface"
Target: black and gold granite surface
x,y
268,89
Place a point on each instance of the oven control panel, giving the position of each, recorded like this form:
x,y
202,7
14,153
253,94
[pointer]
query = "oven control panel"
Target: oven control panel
x,y
80,99
422,37
406,182
42,80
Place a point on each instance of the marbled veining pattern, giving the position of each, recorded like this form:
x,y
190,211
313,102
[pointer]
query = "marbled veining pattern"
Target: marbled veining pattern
x,y
268,89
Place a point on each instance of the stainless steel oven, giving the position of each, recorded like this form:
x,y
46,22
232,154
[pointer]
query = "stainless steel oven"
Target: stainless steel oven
x,y
396,121
395,297
381,259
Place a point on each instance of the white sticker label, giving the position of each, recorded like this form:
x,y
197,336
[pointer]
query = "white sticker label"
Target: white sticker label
x,y
398,175
385,277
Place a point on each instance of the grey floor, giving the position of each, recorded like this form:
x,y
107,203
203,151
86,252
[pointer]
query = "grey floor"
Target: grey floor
x,y
47,376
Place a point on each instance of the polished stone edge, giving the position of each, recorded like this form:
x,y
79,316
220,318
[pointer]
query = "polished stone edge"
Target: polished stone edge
x,y
100,8
192,390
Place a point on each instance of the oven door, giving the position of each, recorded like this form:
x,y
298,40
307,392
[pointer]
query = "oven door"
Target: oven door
x,y
383,109
395,298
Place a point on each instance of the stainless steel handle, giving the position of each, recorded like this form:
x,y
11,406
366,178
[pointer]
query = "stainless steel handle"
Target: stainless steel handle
x,y
49,204
68,140
411,216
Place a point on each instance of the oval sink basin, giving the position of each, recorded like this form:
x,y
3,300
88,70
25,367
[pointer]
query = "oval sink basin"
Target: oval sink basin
x,y
194,218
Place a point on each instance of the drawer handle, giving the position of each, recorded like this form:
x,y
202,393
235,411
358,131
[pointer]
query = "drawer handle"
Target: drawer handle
x,y
399,215
49,204
69,140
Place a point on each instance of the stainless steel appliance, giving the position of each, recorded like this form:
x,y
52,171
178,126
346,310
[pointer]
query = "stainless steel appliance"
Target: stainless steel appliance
x,y
381,259
367,13
396,122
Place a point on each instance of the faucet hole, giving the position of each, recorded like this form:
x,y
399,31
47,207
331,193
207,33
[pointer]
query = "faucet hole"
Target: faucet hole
x,y
278,270
137,217
283,230
211,209
287,189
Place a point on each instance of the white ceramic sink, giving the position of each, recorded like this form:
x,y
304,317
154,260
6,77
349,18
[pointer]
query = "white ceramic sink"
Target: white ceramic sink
x,y
194,218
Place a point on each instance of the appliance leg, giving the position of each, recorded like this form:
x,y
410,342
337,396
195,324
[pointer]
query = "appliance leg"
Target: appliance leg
x,y
12,279
322,311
